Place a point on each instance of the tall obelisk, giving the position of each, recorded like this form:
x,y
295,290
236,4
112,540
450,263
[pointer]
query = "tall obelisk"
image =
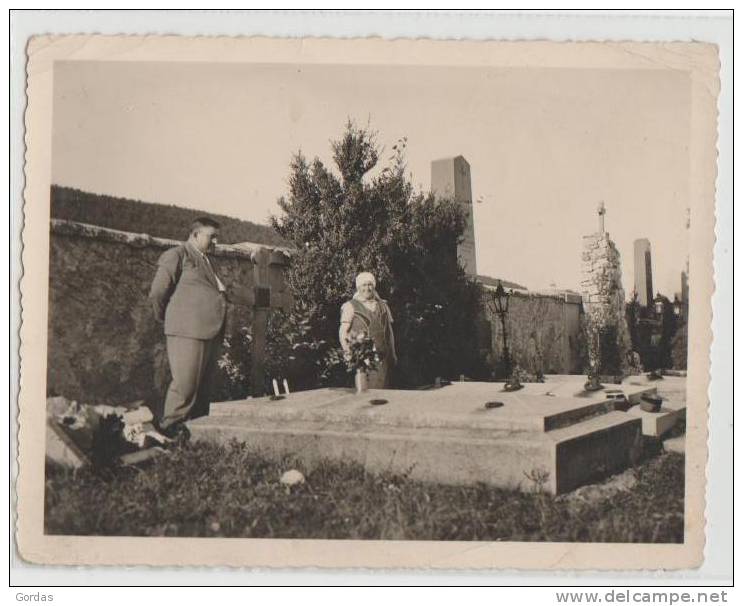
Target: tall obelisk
x,y
450,178
643,272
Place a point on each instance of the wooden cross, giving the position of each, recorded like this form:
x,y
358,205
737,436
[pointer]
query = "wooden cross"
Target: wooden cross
x,y
602,212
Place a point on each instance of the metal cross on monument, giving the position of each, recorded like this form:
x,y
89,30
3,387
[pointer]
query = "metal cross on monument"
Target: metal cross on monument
x,y
602,212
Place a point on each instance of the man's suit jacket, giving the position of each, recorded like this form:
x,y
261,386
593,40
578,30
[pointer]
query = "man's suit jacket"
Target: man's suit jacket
x,y
185,295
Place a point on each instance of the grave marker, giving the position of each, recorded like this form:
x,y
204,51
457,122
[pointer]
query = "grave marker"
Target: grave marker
x,y
268,293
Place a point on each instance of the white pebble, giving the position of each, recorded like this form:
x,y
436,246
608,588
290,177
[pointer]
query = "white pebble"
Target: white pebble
x,y
292,478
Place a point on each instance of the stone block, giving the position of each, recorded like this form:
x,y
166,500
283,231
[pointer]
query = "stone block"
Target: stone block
x,y
61,450
673,408
656,424
677,444
595,449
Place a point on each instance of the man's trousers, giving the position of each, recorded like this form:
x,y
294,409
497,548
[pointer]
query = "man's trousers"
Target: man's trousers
x,y
192,364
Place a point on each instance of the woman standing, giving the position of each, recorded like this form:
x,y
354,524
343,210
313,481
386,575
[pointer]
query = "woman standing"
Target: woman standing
x,y
368,313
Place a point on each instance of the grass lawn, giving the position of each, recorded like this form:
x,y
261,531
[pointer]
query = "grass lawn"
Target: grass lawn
x,y
203,490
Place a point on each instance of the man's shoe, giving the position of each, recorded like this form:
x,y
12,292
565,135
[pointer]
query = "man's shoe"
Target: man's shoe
x,y
178,432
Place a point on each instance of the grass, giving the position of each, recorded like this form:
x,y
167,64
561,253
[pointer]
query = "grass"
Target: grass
x,y
204,490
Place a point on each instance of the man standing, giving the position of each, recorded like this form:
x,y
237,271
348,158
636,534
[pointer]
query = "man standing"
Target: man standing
x,y
188,298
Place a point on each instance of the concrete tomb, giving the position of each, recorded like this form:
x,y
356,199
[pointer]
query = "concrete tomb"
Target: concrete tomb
x,y
552,434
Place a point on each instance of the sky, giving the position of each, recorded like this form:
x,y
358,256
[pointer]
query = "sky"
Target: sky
x,y
545,146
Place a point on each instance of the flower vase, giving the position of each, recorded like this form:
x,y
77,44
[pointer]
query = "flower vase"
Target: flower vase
x,y
362,381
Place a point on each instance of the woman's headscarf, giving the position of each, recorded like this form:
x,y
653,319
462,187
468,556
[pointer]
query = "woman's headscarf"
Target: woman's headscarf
x,y
365,276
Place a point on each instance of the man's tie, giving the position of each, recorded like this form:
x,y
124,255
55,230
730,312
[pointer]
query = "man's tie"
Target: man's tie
x,y
220,286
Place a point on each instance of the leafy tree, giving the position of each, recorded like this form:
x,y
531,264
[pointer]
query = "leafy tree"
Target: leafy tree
x,y
369,218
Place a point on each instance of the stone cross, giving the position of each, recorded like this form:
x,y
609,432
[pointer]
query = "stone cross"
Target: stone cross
x,y
602,212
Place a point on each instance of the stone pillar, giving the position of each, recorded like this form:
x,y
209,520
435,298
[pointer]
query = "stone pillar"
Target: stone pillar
x,y
604,305
450,178
643,272
685,285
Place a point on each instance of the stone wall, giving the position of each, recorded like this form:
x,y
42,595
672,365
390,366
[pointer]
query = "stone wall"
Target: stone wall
x,y
543,330
104,345
604,304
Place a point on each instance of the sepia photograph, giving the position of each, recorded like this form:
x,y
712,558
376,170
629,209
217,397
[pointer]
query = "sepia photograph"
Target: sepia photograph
x,y
363,291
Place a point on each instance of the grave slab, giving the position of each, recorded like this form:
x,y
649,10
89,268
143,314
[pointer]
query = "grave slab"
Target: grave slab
x,y
444,435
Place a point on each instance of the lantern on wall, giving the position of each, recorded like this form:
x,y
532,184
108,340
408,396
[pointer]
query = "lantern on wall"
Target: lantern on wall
x,y
501,299
660,303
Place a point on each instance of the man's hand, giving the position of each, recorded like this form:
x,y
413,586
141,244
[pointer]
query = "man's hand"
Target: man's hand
x,y
166,277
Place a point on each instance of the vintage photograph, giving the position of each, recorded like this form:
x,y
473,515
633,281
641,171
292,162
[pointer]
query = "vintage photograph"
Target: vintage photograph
x,y
302,296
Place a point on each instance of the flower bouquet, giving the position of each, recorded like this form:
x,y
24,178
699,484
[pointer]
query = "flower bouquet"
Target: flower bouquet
x,y
362,357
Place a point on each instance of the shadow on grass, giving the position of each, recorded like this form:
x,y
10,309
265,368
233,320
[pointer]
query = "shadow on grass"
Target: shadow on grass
x,y
204,490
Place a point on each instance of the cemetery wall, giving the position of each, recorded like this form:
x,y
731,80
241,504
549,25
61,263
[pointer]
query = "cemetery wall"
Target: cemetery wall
x,y
104,345
543,330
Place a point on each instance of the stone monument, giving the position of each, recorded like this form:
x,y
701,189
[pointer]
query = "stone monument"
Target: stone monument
x,y
450,178
607,334
685,285
643,272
